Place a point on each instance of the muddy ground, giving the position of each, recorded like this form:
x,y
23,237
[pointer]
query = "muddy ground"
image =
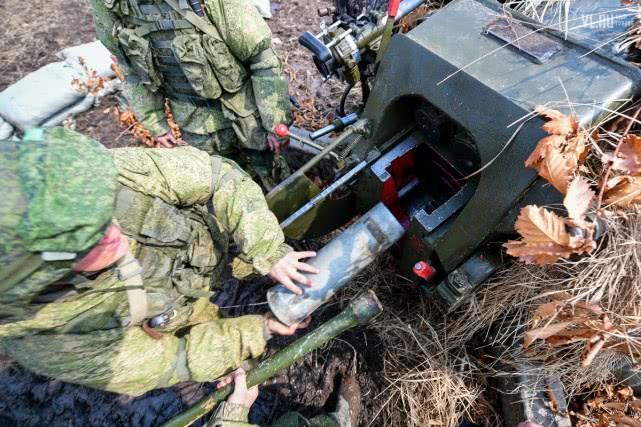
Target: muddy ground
x,y
32,32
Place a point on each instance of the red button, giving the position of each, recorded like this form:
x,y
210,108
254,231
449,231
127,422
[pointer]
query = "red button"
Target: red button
x,y
423,270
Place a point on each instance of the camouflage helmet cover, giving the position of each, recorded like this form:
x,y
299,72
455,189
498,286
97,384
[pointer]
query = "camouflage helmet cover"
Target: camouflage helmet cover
x,y
69,182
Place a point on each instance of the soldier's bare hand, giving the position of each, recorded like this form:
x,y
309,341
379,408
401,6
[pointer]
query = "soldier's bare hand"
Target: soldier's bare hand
x,y
278,328
277,144
167,140
242,395
288,270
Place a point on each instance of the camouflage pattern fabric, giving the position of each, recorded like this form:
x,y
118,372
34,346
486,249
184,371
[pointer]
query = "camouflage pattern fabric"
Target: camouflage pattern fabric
x,y
245,71
57,165
264,167
234,415
76,330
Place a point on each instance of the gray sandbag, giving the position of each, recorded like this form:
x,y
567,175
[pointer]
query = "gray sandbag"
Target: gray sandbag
x,y
264,7
111,86
6,130
94,55
39,96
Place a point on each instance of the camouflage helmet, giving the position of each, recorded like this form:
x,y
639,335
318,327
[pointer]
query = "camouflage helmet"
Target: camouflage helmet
x,y
69,183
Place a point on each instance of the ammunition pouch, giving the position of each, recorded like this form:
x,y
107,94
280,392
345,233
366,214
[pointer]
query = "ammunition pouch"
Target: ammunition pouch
x,y
138,52
188,50
240,109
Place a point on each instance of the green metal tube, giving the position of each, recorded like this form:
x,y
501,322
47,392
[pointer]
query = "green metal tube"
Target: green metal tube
x,y
359,125
360,311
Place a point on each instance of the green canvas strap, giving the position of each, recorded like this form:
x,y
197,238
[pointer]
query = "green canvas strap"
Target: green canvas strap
x,y
163,25
130,274
18,270
195,20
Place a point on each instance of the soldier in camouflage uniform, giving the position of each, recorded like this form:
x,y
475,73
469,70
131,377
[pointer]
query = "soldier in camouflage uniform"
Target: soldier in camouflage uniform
x,y
217,69
235,411
109,259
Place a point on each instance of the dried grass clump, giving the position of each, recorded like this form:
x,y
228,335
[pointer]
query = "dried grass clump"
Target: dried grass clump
x,y
501,312
427,381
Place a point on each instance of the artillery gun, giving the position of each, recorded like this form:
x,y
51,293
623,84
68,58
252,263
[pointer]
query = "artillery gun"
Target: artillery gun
x,y
434,163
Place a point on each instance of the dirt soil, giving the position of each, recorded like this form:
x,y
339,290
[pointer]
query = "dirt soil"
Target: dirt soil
x,y
31,34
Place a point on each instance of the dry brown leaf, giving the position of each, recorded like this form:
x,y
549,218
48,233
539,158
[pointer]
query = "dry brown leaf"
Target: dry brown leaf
x,y
623,191
542,148
578,199
578,145
570,322
538,225
545,332
548,310
625,421
558,123
116,69
591,350
173,126
127,119
628,159
537,254
558,169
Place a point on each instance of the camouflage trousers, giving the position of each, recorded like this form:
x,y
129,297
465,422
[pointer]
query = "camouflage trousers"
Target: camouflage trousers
x,y
264,167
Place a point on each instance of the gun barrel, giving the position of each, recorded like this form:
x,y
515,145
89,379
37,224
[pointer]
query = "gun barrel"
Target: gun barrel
x,y
339,261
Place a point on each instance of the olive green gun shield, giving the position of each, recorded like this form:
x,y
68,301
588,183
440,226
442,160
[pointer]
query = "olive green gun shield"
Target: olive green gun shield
x,y
286,199
324,218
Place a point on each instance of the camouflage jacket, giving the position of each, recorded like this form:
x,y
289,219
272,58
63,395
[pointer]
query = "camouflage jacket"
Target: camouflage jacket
x,y
227,77
75,328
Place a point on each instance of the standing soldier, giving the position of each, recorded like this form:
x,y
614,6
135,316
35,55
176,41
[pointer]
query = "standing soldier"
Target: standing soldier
x,y
215,64
109,261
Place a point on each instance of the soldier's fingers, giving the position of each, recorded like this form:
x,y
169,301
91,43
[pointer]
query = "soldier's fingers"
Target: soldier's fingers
x,y
300,278
305,254
240,380
281,329
287,282
305,323
303,266
225,382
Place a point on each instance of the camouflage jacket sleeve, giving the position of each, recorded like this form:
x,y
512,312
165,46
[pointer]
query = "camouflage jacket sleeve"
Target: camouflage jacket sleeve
x,y
147,106
250,40
129,361
231,415
185,176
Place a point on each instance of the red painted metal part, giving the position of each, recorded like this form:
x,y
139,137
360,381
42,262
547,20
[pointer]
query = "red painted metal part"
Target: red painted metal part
x,y
402,171
424,270
281,130
392,9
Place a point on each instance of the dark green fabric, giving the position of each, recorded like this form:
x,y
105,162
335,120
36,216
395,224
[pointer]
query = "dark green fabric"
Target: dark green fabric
x,y
69,183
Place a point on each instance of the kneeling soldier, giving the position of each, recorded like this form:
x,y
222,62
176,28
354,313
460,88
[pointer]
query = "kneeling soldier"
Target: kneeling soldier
x,y
109,259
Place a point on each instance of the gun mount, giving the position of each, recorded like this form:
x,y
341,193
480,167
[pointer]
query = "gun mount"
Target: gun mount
x,y
448,126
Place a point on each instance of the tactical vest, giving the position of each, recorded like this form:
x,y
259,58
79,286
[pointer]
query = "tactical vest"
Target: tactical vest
x,y
170,55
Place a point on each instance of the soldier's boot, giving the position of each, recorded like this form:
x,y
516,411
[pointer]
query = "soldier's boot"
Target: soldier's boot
x,y
348,408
